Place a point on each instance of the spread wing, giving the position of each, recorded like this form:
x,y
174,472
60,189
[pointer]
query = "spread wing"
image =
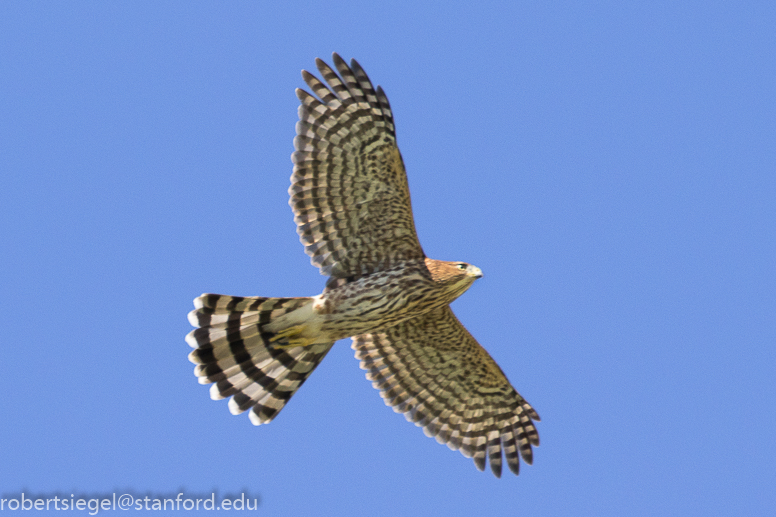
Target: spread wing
x,y
349,188
431,369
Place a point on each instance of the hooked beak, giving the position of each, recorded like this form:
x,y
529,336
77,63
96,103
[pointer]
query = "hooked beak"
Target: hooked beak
x,y
475,272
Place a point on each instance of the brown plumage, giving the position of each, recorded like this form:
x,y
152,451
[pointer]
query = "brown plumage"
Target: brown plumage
x,y
352,207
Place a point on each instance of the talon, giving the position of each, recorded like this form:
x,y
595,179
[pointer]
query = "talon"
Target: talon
x,y
293,336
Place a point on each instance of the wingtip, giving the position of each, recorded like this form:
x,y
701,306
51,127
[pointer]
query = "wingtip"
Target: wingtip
x,y
514,467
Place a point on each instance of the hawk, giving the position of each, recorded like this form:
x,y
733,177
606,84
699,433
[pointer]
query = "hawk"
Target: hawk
x,y
351,204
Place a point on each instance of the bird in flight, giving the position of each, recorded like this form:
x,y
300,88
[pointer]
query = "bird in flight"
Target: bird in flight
x,y
351,204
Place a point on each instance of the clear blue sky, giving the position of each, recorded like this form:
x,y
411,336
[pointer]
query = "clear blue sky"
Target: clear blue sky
x,y
610,166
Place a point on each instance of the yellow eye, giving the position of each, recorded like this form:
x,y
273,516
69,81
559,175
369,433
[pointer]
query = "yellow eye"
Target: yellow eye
x,y
462,267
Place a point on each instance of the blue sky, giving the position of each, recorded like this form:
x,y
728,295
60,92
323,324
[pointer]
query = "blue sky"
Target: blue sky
x,y
608,165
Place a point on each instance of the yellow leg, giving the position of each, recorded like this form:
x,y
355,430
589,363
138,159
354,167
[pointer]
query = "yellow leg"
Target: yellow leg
x,y
292,335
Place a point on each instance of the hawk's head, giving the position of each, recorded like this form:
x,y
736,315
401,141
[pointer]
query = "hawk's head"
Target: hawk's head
x,y
455,277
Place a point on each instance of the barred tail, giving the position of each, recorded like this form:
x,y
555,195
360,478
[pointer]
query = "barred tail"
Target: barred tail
x,y
232,350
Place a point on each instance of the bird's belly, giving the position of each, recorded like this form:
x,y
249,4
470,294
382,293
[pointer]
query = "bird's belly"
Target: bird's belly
x,y
364,307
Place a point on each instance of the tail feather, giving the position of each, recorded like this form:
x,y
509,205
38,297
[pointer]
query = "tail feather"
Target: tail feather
x,y
218,310
232,349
